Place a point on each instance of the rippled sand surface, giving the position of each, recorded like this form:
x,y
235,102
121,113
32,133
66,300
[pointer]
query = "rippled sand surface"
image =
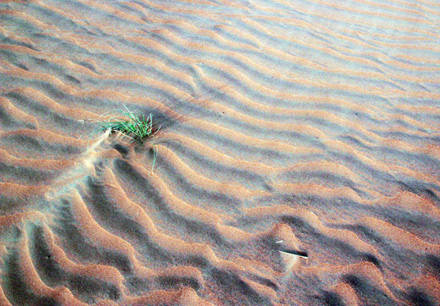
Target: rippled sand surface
x,y
298,155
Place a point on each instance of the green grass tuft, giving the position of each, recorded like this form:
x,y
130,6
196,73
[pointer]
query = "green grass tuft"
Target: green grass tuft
x,y
138,128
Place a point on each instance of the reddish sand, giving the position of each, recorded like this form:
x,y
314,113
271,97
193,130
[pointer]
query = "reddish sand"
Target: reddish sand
x,y
298,156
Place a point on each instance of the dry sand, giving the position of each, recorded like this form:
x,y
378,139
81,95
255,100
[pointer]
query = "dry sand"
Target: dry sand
x,y
298,156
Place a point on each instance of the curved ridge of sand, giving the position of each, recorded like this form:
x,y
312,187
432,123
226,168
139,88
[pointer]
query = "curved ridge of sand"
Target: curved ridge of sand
x,y
298,156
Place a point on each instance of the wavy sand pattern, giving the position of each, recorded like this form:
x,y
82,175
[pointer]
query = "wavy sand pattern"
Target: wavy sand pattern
x,y
298,156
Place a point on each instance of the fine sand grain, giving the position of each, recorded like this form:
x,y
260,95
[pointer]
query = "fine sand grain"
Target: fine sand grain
x,y
298,157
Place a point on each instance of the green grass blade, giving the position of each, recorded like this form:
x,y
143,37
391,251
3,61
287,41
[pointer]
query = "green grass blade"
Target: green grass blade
x,y
155,152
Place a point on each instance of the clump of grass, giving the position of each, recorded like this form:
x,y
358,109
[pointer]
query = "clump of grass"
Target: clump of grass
x,y
138,128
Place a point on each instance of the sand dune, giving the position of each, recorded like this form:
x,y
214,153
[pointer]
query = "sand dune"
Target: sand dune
x,y
298,155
